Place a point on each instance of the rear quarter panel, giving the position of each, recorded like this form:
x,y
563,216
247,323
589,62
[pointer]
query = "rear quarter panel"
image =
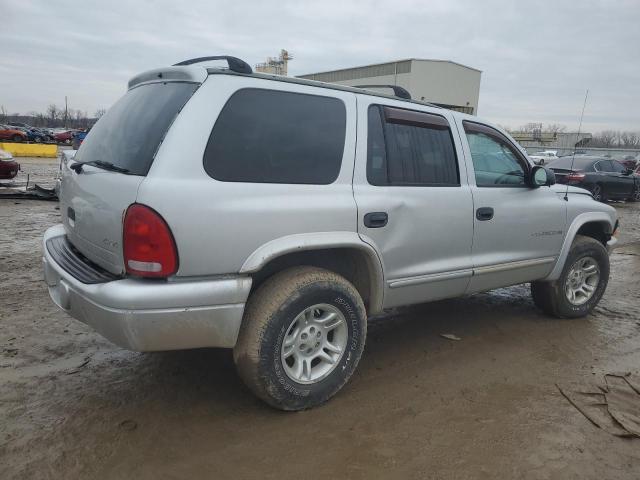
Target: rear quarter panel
x,y
218,225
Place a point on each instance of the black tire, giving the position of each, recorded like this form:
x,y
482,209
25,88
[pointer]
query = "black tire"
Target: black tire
x,y
268,316
598,193
635,196
550,297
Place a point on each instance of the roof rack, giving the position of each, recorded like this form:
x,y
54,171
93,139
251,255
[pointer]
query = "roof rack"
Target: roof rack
x,y
397,91
235,64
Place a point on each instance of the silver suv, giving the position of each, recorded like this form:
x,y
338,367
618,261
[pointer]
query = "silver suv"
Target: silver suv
x,y
216,207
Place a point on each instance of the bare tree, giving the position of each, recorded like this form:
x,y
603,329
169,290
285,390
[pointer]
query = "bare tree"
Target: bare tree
x,y
555,128
100,112
630,139
606,138
53,113
3,113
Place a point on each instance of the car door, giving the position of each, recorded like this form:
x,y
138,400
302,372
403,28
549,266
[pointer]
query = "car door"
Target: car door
x,y
414,203
624,181
518,230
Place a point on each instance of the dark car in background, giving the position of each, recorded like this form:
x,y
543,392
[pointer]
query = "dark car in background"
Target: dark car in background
x,y
606,179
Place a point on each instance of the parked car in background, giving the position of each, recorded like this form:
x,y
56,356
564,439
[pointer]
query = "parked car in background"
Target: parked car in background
x,y
65,136
19,124
78,138
629,161
34,134
543,158
12,133
606,179
8,166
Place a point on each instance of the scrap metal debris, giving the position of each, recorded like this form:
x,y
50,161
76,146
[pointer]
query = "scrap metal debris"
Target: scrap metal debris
x,y
614,406
450,336
31,193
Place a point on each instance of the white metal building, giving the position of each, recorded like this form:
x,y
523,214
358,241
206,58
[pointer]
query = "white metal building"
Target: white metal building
x,y
442,82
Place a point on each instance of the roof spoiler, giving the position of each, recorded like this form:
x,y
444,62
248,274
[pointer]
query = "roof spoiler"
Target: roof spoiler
x,y
235,64
397,91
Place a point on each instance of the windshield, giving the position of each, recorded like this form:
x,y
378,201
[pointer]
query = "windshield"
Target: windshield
x,y
129,134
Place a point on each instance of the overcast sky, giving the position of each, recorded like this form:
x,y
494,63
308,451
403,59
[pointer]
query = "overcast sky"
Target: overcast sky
x,y
537,58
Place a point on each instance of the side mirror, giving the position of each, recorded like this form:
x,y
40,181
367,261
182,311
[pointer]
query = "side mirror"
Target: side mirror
x,y
542,177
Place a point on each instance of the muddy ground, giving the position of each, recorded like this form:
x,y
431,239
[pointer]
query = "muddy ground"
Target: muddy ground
x,y
72,405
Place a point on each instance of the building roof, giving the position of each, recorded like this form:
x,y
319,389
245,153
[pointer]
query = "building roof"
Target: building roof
x,y
391,62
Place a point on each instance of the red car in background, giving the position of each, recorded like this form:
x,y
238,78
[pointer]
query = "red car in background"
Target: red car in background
x,y
11,133
8,167
64,137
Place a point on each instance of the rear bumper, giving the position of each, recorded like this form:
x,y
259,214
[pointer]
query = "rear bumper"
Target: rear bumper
x,y
145,315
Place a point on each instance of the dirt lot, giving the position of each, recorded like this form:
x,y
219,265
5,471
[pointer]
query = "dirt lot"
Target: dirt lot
x,y
72,405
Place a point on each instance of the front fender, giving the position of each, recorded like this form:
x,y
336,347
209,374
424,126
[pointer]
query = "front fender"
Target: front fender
x,y
317,241
572,231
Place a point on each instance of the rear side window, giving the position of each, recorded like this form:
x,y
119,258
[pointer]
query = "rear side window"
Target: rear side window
x,y
268,136
410,148
129,134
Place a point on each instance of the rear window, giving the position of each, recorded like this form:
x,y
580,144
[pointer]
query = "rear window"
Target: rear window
x,y
268,136
129,134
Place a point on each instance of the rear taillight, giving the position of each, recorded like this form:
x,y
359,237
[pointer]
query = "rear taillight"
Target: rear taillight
x,y
148,245
574,177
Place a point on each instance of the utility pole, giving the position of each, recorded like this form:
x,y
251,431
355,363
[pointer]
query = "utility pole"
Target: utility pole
x,y
66,112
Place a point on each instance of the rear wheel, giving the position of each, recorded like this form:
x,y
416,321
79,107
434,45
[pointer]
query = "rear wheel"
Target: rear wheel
x,y
598,192
581,284
635,196
301,339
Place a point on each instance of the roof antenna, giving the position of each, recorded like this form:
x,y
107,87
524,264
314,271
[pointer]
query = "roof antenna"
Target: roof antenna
x,y
573,157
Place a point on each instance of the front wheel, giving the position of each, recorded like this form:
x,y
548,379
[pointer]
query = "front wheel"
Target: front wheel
x,y
302,336
581,284
635,196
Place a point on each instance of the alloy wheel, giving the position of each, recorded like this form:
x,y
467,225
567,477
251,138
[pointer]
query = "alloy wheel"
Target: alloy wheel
x,y
314,343
597,193
582,281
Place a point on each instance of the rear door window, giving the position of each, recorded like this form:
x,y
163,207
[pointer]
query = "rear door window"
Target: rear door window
x,y
270,136
410,148
131,131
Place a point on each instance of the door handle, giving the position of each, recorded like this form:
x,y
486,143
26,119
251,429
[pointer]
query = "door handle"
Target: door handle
x,y
484,213
376,219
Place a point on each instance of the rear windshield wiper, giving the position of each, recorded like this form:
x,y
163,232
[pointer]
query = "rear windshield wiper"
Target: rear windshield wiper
x,y
77,167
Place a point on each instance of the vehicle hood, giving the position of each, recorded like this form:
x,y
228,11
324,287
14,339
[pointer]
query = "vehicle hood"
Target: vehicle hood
x,y
563,188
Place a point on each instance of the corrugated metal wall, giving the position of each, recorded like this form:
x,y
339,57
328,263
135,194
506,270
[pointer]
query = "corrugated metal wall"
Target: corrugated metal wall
x,y
362,72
